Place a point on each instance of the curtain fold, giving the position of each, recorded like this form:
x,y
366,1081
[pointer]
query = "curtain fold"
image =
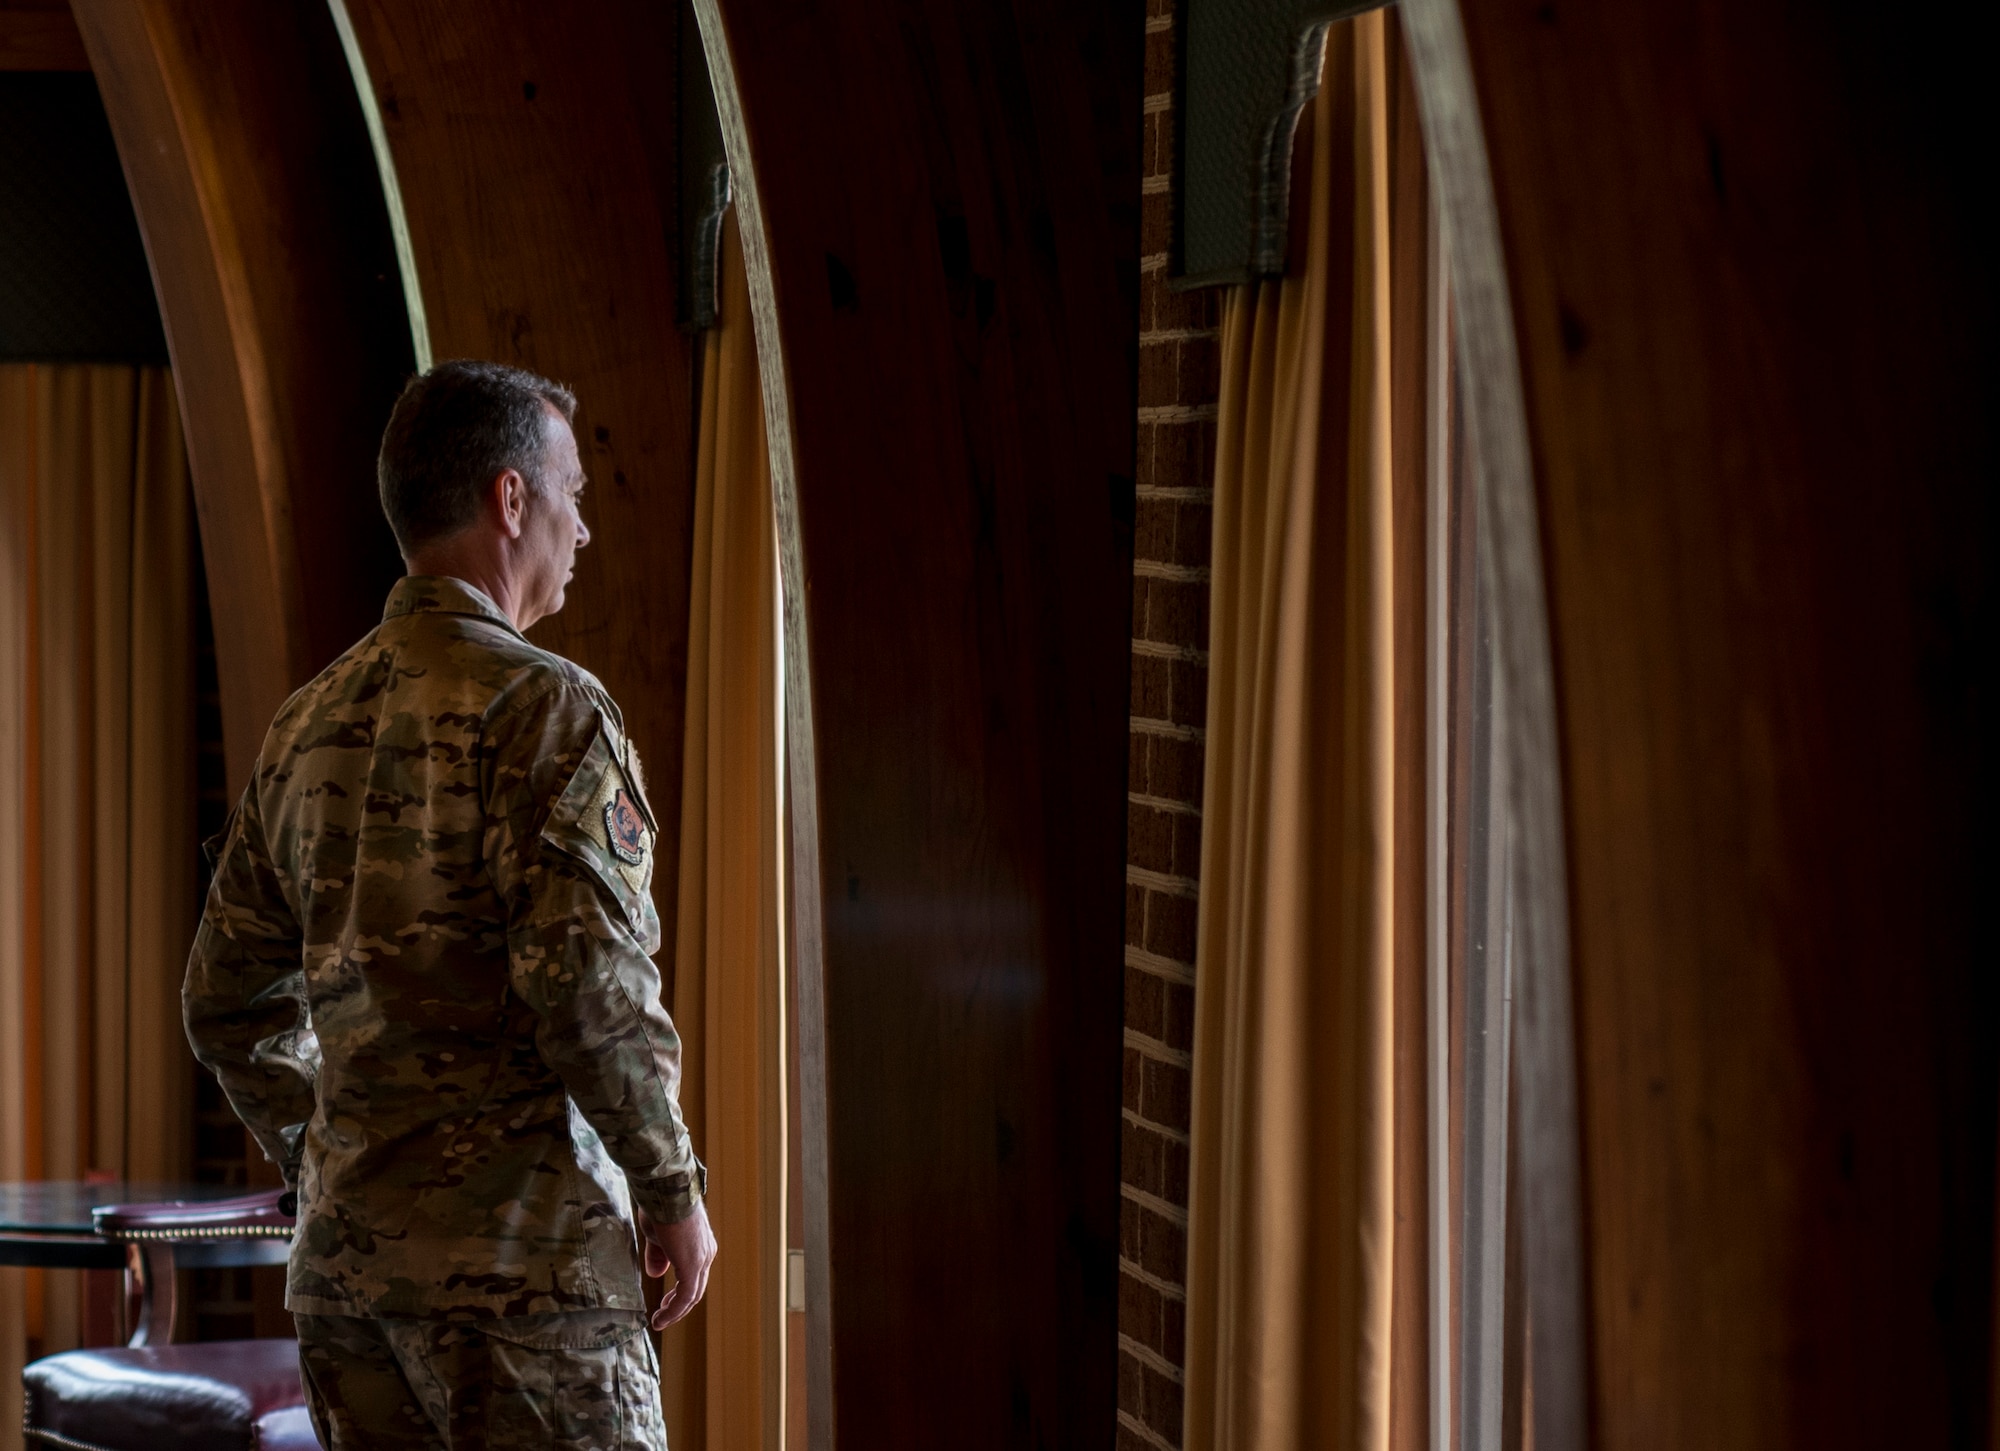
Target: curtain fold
x,y
723,1367
1302,1275
98,875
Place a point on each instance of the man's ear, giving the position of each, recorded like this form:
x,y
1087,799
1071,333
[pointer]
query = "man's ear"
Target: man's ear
x,y
510,499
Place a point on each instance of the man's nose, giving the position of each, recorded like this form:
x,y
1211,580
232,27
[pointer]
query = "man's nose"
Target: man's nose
x,y
582,534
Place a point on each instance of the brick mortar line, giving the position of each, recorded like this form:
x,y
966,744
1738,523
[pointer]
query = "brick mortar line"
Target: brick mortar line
x,y
1163,803
1159,966
1173,573
1135,1119
1178,335
1139,1120
1145,1432
1155,24
1147,725
1155,185
1178,413
1166,883
1147,1356
1160,650
1155,1048
1153,262
1173,1213
1160,103
1152,1281
1182,493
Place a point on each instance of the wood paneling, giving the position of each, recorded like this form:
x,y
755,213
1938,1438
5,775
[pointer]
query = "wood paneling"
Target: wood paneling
x,y
1754,315
533,145
1411,246
940,206
40,35
255,191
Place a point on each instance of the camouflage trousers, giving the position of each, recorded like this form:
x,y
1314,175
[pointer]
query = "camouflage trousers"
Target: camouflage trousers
x,y
585,1379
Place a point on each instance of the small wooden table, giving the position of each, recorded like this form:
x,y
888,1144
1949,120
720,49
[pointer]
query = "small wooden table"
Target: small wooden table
x,y
50,1224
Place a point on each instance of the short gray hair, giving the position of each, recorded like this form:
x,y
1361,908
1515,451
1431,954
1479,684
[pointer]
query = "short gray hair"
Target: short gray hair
x,y
453,431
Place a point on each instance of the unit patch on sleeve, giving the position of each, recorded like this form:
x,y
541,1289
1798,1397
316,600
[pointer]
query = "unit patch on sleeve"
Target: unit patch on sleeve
x,y
624,831
603,822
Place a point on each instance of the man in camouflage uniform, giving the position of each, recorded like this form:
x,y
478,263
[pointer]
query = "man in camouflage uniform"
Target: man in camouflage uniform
x,y
424,979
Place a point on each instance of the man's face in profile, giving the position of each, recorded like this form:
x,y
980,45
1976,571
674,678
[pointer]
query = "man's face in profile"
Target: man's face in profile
x,y
552,527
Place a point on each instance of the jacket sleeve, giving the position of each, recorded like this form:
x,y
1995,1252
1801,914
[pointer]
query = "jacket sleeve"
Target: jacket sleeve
x,y
569,844
244,1002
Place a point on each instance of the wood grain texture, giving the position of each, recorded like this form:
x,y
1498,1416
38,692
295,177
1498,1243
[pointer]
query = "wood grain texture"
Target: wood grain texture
x,y
250,172
1753,313
533,145
1410,324
40,37
940,205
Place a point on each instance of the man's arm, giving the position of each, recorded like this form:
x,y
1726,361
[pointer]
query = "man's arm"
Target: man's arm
x,y
580,933
244,1002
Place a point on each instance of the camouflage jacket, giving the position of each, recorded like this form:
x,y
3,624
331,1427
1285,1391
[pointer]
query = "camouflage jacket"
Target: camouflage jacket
x,y
423,976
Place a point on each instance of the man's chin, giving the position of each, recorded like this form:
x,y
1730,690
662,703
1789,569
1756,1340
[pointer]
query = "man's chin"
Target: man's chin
x,y
548,605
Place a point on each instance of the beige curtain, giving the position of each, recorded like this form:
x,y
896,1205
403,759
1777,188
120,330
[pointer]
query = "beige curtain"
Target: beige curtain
x,y
723,1367
98,883
1306,1254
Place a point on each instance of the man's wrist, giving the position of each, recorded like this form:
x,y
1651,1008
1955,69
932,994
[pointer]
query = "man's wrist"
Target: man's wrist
x,y
672,1197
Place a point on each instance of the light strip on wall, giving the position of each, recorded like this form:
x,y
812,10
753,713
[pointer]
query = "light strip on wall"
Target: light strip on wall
x,y
392,192
1437,848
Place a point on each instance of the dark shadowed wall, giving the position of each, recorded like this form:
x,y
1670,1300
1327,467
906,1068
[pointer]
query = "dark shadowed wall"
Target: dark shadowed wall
x,y
940,209
1752,288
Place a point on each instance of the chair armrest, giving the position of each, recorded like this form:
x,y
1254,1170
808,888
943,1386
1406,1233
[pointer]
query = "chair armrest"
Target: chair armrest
x,y
268,1215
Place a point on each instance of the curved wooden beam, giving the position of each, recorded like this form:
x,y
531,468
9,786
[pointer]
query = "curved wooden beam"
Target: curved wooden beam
x,y
533,147
1746,282
262,215
1532,863
940,204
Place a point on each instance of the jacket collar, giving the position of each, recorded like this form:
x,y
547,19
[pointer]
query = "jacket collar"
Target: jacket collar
x,y
415,593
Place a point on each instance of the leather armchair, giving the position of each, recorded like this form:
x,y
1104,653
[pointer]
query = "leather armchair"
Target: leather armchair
x,y
161,1238
155,1396
225,1395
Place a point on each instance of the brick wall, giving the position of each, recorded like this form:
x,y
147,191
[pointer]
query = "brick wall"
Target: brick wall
x,y
1178,350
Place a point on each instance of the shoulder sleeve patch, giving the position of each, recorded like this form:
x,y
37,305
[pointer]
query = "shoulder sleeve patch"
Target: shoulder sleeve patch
x,y
600,822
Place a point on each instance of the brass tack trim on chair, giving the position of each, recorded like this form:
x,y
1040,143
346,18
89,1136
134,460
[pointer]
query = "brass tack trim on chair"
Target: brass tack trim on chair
x,y
56,1438
221,1231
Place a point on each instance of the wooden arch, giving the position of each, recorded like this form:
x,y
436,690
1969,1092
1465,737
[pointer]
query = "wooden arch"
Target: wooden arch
x,y
1744,296
532,147
257,197
959,276
1726,302
940,207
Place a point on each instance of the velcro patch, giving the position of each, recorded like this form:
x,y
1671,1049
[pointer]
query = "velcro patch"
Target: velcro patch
x,y
603,822
624,831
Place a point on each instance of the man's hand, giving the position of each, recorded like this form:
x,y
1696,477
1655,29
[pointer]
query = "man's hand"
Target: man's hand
x,y
688,1247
